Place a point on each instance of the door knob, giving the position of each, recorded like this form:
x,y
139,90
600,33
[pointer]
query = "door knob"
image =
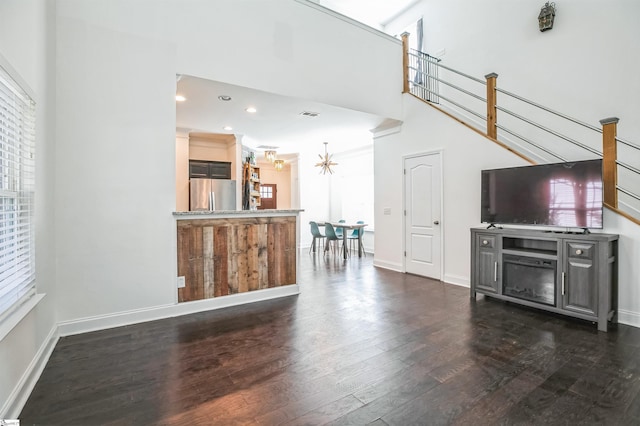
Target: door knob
x,y
435,222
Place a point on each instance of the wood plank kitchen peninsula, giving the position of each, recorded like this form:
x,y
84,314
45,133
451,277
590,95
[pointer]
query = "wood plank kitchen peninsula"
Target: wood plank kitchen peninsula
x,y
222,253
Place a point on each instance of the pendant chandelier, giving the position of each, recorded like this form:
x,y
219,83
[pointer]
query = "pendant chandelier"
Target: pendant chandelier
x,y
278,164
326,163
270,155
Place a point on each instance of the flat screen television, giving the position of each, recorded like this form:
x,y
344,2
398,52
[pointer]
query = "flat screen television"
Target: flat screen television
x,y
561,194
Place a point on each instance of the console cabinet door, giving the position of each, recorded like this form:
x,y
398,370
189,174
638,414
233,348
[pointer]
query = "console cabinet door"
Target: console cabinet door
x,y
487,274
580,289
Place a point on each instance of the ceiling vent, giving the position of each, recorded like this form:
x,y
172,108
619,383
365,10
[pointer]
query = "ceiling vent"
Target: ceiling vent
x,y
267,147
309,114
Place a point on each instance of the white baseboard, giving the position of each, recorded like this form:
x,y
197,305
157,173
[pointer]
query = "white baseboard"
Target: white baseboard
x,y
102,322
388,265
457,280
20,394
629,318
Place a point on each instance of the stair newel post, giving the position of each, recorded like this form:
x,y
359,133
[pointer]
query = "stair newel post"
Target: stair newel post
x,y
492,130
609,157
405,62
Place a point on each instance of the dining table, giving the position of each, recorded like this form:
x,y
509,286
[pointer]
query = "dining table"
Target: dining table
x,y
347,226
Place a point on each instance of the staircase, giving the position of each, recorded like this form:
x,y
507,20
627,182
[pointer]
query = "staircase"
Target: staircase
x,y
532,131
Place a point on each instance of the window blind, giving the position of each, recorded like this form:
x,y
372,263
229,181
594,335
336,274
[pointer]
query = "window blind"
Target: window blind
x,y
17,188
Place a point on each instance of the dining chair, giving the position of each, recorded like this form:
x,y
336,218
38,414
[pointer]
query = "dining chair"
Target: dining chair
x,y
354,237
340,230
317,235
330,234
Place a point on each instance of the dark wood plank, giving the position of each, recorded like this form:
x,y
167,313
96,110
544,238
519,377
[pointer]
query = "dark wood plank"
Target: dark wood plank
x,y
253,282
263,256
359,345
191,264
271,254
221,260
208,262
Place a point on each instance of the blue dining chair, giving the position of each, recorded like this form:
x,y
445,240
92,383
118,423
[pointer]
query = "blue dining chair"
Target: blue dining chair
x,y
317,235
340,230
330,234
355,236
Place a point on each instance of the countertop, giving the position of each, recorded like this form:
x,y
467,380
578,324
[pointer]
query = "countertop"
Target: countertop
x,y
235,213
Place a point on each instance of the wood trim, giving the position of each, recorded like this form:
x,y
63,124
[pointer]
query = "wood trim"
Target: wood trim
x,y
623,214
511,150
492,129
527,159
609,156
405,62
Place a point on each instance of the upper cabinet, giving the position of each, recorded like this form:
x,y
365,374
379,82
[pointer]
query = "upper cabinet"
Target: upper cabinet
x,y
209,169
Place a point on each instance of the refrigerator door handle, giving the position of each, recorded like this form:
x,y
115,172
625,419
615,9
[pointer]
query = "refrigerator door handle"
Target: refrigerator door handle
x,y
212,201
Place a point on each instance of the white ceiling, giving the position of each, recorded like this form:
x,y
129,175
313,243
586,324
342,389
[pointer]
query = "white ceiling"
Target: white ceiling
x,y
277,121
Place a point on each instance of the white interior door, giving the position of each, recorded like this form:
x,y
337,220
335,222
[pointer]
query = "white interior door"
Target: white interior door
x,y
423,225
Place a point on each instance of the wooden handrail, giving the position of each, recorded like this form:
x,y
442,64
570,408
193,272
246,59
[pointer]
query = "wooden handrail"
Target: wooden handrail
x,y
609,133
405,62
623,214
609,157
492,129
480,132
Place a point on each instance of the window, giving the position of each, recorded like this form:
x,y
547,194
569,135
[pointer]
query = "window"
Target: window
x,y
266,191
17,186
352,187
357,199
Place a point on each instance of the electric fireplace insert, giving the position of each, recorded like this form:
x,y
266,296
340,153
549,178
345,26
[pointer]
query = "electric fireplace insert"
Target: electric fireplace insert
x,y
529,278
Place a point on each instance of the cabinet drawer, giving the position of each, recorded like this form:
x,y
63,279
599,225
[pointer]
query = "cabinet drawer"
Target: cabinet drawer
x,y
486,241
580,250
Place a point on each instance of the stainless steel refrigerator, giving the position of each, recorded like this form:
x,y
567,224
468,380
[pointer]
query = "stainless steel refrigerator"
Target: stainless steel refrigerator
x,y
212,194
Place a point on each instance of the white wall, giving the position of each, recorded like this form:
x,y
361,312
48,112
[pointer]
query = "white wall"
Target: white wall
x,y
106,237
115,180
116,78
583,67
282,180
31,54
465,153
354,165
314,188
212,148
182,173
321,195
278,46
628,267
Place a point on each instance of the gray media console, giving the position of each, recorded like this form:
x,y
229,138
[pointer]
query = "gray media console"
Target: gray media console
x,y
567,273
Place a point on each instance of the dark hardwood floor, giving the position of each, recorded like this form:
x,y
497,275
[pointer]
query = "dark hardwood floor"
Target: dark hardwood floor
x,y
359,346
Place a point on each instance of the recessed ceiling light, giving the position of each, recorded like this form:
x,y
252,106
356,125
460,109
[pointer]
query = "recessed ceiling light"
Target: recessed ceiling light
x,y
224,98
251,109
180,98
309,114
227,128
